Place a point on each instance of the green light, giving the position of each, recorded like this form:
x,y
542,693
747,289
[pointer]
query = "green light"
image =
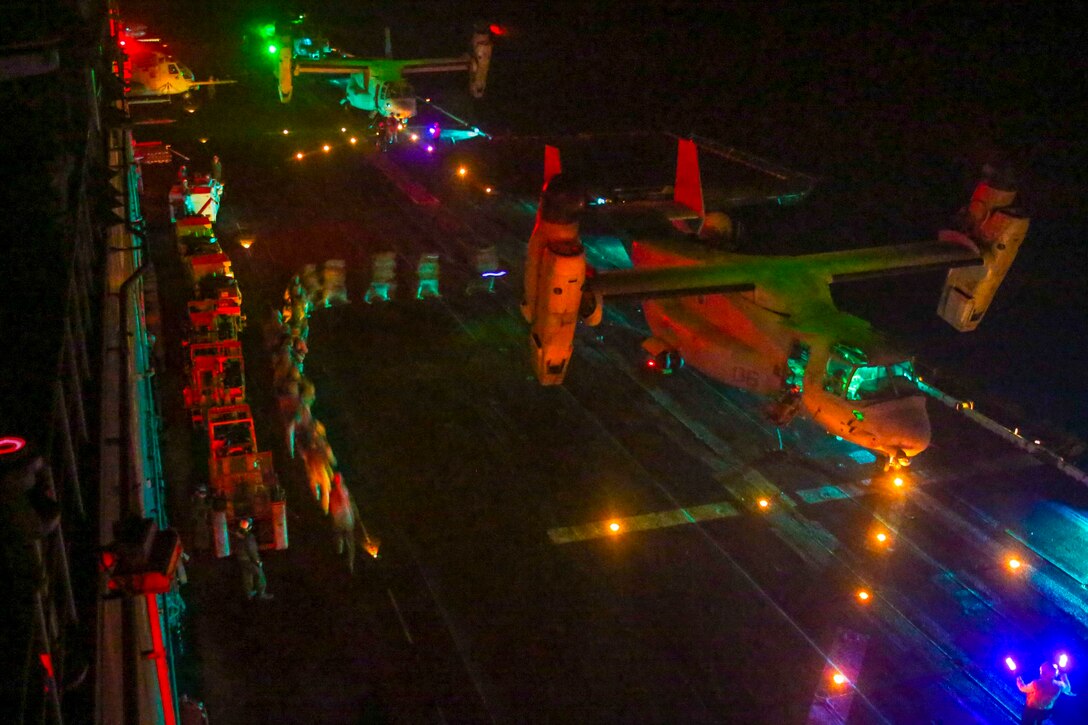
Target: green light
x,y
272,49
267,31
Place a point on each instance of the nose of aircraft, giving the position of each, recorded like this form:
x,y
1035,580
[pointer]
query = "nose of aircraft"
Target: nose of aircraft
x,y
901,423
402,108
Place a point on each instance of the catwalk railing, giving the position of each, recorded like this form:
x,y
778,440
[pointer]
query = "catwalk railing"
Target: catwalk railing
x,y
78,417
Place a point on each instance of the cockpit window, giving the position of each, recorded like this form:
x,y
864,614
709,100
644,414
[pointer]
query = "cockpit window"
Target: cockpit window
x,y
850,376
173,69
840,367
398,89
882,382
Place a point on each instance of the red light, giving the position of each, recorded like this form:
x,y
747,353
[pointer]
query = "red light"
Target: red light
x,y
651,364
47,662
496,29
122,44
11,444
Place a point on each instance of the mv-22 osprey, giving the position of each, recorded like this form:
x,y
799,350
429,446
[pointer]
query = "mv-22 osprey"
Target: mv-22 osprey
x,y
378,85
766,323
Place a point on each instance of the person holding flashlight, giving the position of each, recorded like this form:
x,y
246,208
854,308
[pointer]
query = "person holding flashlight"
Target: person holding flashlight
x,y
1043,693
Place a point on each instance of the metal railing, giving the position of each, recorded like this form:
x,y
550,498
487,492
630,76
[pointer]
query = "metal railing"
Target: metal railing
x,y
69,470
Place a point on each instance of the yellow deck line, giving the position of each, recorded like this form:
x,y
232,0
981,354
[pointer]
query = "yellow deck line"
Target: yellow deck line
x,y
750,487
643,522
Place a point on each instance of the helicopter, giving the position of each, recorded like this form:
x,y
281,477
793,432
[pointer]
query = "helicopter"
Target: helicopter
x,y
153,76
765,323
379,85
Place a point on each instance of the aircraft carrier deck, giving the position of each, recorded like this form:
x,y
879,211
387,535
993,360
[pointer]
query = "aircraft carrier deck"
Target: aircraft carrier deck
x,y
502,594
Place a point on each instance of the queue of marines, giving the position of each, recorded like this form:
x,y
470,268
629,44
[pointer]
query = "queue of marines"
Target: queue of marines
x,y
286,333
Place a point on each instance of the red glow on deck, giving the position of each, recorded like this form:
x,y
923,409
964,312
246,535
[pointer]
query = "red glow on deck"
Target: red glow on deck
x,y
11,444
158,654
47,664
496,29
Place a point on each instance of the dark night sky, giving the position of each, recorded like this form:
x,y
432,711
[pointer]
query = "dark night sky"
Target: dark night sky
x,y
835,88
895,106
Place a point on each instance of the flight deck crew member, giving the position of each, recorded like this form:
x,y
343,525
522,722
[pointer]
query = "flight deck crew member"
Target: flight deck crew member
x,y
201,540
249,559
217,169
342,510
1043,693
187,197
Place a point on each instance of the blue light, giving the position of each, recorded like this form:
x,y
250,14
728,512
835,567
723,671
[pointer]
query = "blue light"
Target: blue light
x,y
430,149
502,273
1011,664
433,129
601,200
1063,660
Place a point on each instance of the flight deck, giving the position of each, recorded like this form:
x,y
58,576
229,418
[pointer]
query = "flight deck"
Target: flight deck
x,y
626,547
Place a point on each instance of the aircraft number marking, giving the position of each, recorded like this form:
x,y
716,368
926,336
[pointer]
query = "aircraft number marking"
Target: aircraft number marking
x,y
745,377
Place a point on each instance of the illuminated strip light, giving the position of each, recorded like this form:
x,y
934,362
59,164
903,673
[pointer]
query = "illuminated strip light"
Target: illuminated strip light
x,y
643,522
158,656
500,273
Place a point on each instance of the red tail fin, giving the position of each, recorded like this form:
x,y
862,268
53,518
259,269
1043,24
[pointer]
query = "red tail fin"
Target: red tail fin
x,y
689,186
552,166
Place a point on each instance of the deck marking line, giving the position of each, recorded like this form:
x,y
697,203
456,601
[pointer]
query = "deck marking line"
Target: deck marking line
x,y
400,617
642,522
